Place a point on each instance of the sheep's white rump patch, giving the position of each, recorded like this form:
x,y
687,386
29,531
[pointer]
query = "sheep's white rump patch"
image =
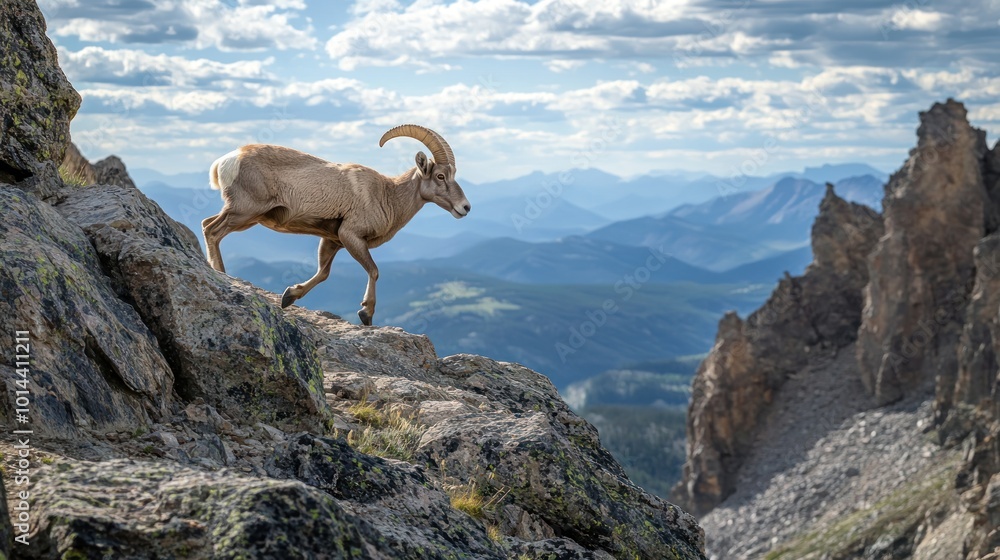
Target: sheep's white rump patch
x,y
228,167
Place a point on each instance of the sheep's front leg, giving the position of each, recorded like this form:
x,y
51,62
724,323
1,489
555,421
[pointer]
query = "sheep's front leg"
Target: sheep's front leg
x,y
327,250
358,248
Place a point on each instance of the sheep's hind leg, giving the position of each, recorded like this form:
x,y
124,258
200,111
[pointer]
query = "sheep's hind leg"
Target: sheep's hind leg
x,y
216,227
358,248
212,244
327,250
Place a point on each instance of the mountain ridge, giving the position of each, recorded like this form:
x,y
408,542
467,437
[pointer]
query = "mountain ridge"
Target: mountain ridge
x,y
736,229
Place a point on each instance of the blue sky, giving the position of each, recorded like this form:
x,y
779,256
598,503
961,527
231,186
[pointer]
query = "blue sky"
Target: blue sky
x,y
627,86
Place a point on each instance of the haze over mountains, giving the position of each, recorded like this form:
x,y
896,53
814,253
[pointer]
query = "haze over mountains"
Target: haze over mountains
x,y
527,275
740,228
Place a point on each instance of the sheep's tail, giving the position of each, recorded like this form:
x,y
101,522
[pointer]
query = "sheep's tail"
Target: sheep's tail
x,y
225,170
213,176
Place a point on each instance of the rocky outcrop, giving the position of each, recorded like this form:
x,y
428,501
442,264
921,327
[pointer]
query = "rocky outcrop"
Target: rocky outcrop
x,y
926,486
967,403
100,365
124,312
932,307
734,386
560,482
225,343
921,271
503,429
36,101
975,382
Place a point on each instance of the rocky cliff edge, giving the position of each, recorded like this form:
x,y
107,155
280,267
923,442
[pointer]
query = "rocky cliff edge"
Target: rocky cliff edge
x,y
176,412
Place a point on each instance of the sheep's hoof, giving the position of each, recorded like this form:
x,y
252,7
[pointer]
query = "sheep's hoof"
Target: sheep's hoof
x,y
366,318
287,298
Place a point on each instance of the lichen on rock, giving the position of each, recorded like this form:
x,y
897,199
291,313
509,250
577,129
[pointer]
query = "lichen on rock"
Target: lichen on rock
x,y
124,509
98,363
37,102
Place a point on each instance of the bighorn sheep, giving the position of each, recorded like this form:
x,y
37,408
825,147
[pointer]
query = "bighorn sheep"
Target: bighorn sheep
x,y
347,205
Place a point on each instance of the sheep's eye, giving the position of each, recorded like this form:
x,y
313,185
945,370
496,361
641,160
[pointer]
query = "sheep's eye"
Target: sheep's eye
x,y
440,176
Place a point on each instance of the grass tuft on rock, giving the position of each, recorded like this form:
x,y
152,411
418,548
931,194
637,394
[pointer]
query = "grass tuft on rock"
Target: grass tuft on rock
x,y
72,179
367,413
468,499
390,436
478,503
494,533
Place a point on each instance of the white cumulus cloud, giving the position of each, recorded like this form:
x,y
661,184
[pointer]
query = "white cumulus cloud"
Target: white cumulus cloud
x,y
231,26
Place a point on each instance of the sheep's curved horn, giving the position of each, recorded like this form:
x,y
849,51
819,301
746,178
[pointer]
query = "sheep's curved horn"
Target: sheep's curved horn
x,y
435,143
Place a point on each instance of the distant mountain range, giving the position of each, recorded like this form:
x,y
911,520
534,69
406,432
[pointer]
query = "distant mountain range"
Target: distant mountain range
x,y
788,202
585,260
519,218
571,260
617,198
740,228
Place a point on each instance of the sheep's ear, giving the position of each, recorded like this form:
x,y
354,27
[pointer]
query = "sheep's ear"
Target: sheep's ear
x,y
423,164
